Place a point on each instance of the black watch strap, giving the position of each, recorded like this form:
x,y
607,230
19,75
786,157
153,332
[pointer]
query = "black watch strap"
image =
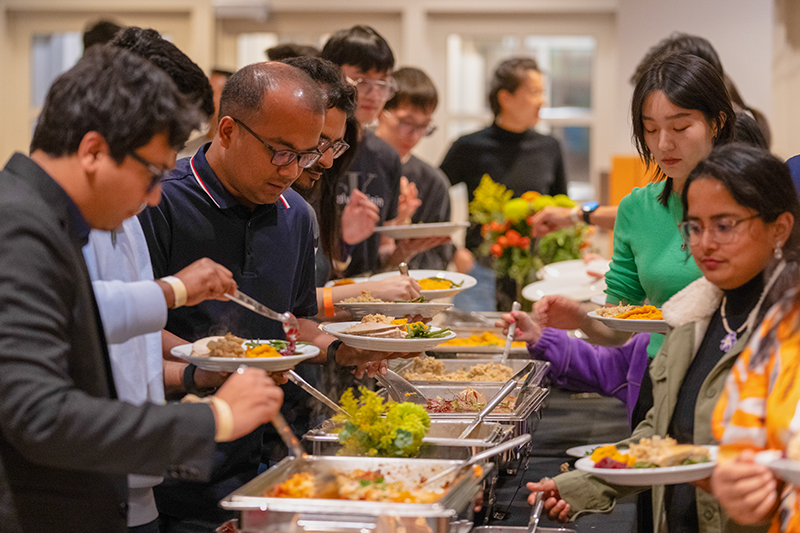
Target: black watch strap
x,y
332,347
189,385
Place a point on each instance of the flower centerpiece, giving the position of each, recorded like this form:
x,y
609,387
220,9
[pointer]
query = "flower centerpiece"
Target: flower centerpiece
x,y
506,229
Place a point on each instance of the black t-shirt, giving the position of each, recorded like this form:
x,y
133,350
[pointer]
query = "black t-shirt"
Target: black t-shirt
x,y
433,189
681,500
375,171
527,161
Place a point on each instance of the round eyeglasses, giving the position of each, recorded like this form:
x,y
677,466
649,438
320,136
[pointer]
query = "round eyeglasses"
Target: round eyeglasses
x,y
722,230
384,88
282,158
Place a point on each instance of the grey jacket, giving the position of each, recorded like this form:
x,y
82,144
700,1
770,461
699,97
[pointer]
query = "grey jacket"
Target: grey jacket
x,y
688,313
66,443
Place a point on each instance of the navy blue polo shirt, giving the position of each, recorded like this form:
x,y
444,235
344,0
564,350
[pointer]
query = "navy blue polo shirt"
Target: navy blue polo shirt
x,y
270,251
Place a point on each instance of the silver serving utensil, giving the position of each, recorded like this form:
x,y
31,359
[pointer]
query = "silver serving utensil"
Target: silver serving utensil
x,y
491,452
403,267
290,325
533,378
510,337
536,512
400,389
295,378
489,407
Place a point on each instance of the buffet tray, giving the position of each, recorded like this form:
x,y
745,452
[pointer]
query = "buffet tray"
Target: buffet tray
x,y
460,494
520,529
453,365
441,442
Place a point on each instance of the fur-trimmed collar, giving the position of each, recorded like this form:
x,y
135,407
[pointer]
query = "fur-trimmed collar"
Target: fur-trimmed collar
x,y
696,302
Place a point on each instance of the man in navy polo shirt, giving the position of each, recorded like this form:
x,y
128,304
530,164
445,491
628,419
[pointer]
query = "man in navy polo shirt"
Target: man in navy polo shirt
x,y
231,202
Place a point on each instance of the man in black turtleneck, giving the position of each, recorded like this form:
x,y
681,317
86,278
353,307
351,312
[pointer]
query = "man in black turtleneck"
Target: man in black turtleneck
x,y
509,151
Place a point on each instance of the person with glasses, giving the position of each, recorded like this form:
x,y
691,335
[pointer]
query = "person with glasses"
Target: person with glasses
x,y
232,202
511,152
406,119
373,183
132,304
740,223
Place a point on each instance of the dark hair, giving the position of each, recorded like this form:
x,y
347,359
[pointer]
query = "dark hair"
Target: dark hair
x,y
340,95
360,46
337,92
739,105
508,76
290,50
748,131
679,43
414,88
689,82
123,97
190,79
100,32
757,180
244,92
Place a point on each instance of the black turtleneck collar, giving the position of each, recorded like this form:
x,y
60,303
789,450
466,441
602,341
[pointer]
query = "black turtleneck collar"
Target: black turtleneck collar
x,y
742,299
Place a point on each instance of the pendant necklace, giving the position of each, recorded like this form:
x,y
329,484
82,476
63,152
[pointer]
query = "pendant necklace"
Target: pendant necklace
x,y
730,339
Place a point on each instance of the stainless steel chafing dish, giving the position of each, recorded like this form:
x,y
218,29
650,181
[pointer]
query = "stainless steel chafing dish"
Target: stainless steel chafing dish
x,y
260,514
440,443
454,365
519,529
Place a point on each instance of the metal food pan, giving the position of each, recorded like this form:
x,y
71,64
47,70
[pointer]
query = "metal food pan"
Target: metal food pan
x,y
448,390
520,529
454,365
461,492
440,443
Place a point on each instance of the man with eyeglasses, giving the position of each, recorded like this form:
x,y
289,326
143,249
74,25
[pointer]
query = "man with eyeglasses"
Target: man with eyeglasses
x,y
374,177
231,202
406,119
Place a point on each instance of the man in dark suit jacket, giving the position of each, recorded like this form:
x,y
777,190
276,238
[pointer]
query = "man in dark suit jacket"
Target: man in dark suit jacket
x,y
108,131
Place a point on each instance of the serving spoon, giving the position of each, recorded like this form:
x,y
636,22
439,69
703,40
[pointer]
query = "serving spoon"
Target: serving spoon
x,y
290,325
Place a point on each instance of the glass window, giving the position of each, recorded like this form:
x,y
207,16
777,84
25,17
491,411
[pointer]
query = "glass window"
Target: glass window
x,y
51,56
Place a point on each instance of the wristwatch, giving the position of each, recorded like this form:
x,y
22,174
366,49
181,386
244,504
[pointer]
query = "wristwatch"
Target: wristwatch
x,y
588,208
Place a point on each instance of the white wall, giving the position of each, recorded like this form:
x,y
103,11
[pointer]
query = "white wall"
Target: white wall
x,y
740,30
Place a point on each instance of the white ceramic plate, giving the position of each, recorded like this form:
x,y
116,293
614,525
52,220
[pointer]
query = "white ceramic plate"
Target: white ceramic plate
x,y
421,230
398,310
644,477
581,289
467,282
586,449
636,326
355,280
786,469
383,345
230,364
575,268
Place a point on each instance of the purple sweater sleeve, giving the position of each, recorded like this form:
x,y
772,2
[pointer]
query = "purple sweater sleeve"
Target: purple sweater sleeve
x,y
609,371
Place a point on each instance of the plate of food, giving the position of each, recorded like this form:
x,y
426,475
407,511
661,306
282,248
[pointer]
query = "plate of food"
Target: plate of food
x,y
346,281
365,304
226,354
635,318
421,230
586,450
436,283
485,342
387,334
782,466
655,461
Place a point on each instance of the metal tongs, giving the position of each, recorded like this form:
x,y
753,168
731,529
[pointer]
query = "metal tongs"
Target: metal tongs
x,y
491,452
489,407
295,378
290,325
400,389
536,512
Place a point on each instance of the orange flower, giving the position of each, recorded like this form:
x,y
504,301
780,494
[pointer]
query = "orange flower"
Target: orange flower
x,y
496,250
530,196
503,241
484,229
513,237
524,243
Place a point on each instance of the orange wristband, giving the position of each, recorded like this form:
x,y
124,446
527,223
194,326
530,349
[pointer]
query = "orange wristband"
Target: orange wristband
x,y
327,301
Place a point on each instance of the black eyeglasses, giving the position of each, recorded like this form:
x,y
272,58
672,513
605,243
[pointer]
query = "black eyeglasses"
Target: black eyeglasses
x,y
156,174
339,147
282,158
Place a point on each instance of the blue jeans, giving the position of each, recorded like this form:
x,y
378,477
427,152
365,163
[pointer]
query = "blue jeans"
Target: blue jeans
x,y
481,297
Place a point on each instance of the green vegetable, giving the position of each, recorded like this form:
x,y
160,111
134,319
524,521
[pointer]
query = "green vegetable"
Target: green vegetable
x,y
418,330
277,344
418,300
643,464
374,428
693,462
453,284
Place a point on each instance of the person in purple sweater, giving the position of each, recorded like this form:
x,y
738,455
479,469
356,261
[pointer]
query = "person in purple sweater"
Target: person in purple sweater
x,y
613,371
